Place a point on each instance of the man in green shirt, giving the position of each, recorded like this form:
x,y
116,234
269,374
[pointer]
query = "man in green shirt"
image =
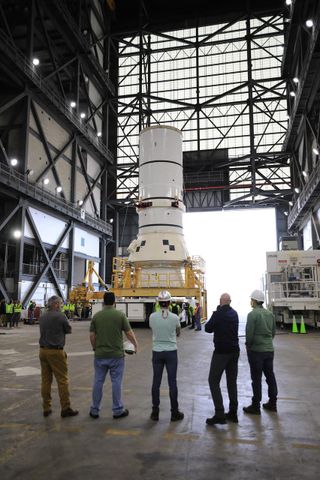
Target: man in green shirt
x,y
260,330
106,339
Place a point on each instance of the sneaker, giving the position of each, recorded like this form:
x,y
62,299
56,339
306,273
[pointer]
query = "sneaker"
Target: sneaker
x,y
216,420
94,415
46,413
252,409
272,407
232,417
154,415
175,416
125,413
68,412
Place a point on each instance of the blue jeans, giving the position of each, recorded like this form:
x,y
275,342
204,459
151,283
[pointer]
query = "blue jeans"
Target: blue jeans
x,y
170,361
262,362
101,368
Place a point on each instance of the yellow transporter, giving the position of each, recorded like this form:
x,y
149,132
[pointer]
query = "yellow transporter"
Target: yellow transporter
x,y
158,257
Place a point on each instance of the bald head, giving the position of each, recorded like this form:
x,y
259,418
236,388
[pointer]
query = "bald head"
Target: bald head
x,y
225,299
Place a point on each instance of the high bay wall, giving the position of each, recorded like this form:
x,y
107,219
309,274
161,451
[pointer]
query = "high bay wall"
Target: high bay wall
x,y
108,69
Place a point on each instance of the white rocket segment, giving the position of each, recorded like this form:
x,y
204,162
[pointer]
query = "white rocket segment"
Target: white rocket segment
x,y
160,240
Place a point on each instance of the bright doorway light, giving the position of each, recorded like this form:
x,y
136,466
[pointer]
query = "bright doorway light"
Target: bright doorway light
x,y
233,244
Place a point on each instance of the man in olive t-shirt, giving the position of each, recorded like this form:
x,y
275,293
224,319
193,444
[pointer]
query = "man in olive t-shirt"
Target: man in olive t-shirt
x,y
106,339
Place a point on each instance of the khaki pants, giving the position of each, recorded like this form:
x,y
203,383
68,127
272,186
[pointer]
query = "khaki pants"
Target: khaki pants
x,y
54,362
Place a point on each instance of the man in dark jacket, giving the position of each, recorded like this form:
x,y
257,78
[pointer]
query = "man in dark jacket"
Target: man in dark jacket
x,y
224,323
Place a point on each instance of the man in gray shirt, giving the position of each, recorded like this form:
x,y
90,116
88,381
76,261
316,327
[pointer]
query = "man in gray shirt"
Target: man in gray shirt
x,y
53,359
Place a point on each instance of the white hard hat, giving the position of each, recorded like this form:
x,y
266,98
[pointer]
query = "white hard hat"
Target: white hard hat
x,y
128,347
257,295
164,296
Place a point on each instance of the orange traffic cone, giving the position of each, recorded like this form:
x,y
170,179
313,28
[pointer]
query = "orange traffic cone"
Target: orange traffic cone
x,y
294,325
302,325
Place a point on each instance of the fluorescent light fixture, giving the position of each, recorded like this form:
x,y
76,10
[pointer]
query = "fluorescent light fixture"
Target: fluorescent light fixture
x,y
46,181
292,94
80,202
35,61
82,115
288,2
295,80
111,220
59,189
99,134
297,190
17,234
286,213
309,23
304,173
14,162
73,104
291,203
315,151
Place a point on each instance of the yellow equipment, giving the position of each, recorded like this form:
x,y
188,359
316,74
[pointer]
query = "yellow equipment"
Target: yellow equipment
x,y
85,292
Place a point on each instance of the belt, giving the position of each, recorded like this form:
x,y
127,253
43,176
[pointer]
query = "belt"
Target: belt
x,y
53,348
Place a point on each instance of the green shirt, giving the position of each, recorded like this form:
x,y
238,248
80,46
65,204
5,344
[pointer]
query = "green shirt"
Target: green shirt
x,y
108,325
260,330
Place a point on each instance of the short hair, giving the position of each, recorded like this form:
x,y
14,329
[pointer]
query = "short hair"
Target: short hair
x,y
109,298
53,299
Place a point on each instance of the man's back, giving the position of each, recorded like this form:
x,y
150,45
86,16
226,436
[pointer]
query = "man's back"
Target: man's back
x,y
108,325
260,330
53,327
224,323
164,330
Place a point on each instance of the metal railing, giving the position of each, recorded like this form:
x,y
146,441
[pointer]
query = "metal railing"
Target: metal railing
x,y
294,290
18,182
8,47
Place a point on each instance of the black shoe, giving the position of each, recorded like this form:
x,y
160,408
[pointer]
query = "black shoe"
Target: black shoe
x,y
232,417
46,413
175,416
94,415
68,412
191,328
216,420
252,409
272,407
125,413
197,329
154,415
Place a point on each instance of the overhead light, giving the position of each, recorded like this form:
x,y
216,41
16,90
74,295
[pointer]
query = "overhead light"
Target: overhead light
x,y
82,115
17,234
73,104
288,2
292,93
286,213
304,173
14,162
46,181
35,61
297,190
295,80
315,151
111,220
80,202
59,189
99,134
309,23
291,203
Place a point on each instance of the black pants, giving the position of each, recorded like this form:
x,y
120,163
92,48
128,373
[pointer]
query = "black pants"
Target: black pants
x,y
170,361
262,362
221,362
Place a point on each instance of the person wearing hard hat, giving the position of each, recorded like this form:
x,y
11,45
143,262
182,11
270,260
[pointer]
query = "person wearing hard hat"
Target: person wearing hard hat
x,y
165,327
260,330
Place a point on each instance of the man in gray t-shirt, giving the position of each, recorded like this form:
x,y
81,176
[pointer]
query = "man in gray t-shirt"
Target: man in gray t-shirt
x,y
53,359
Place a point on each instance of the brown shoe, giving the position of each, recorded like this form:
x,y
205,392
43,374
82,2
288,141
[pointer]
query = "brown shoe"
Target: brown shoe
x,y
68,412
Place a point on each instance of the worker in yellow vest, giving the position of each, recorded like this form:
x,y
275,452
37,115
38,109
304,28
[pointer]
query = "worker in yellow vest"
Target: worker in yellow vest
x,y
17,309
9,314
72,309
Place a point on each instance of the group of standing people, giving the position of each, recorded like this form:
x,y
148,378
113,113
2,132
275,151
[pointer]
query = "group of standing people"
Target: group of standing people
x,y
106,337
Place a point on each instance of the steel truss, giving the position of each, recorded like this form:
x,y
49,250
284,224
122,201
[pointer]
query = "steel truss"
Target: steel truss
x,y
244,111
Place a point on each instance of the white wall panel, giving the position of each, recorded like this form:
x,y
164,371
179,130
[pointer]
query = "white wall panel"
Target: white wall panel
x,y
93,167
86,243
54,133
50,228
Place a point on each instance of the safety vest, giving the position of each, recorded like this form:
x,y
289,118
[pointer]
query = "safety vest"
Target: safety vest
x,y
72,307
17,308
9,308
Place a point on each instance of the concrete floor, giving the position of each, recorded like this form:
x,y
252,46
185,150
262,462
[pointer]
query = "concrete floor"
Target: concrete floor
x,y
274,446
